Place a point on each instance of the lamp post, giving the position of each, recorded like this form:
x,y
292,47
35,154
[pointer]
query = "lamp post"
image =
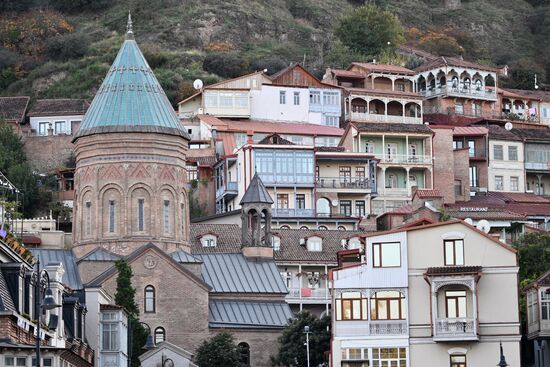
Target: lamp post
x,y
307,332
502,362
48,303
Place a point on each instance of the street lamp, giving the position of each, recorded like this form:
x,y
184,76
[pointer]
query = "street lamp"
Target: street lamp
x,y
502,362
307,332
48,303
165,361
149,342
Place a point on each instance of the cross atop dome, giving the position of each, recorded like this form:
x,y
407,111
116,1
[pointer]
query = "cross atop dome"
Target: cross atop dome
x,y
129,28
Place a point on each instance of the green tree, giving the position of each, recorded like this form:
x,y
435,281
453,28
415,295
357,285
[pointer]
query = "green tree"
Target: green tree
x,y
534,260
368,29
292,351
218,351
125,296
13,164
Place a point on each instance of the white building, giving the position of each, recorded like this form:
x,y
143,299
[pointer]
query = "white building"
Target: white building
x,y
506,161
443,294
56,116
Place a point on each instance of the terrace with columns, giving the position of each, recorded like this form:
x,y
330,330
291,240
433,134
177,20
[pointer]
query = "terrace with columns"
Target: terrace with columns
x,y
378,93
454,86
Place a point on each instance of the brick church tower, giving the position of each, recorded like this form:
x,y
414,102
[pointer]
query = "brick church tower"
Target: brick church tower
x,y
130,180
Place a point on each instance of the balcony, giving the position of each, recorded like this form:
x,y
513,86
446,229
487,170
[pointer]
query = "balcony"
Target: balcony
x,y
347,183
405,159
450,91
229,189
370,328
537,166
308,296
372,117
455,329
292,212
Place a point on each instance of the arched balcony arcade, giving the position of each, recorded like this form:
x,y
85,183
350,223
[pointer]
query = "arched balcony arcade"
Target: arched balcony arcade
x,y
458,82
362,108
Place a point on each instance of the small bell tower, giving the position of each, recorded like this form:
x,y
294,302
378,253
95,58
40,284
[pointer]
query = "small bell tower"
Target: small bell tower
x,y
255,211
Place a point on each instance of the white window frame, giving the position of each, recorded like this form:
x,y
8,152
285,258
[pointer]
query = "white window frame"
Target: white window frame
x,y
282,97
296,98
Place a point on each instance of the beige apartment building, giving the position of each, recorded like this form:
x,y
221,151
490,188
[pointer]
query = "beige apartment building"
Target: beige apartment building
x,y
442,294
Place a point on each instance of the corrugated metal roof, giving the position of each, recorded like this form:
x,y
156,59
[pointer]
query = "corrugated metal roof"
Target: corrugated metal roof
x,y
234,273
6,302
130,99
71,278
184,257
100,254
241,314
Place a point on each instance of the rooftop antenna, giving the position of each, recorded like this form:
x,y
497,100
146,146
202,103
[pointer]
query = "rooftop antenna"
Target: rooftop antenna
x,y
536,84
129,27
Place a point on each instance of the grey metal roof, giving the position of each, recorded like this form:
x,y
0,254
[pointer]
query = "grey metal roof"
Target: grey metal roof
x,y
6,302
184,257
248,314
234,273
71,277
100,254
256,192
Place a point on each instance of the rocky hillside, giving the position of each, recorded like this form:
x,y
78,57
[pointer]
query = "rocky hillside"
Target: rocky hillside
x,y
63,48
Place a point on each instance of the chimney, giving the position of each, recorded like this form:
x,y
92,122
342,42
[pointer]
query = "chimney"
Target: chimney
x,y
250,137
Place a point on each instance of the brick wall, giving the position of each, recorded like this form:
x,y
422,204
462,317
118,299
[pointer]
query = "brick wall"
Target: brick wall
x,y
444,163
462,173
88,270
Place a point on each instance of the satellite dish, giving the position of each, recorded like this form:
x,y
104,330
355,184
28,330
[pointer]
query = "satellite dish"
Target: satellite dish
x,y
197,84
484,226
334,202
469,221
508,126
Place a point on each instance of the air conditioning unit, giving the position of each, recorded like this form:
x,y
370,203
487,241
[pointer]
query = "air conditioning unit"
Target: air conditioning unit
x,y
483,189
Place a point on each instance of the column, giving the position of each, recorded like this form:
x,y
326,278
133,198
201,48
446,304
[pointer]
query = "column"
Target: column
x,y
300,284
474,299
407,147
383,148
403,105
407,170
383,180
385,110
393,84
326,289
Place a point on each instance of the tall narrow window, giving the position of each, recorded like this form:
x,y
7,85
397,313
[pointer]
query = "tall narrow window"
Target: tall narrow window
x,y
345,207
110,336
545,305
112,208
141,215
149,305
166,216
499,182
296,98
88,218
244,354
498,152
160,335
456,304
512,153
351,306
282,97
454,252
514,183
300,201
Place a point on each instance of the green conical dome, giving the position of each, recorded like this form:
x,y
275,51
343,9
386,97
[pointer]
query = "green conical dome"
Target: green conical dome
x,y
130,98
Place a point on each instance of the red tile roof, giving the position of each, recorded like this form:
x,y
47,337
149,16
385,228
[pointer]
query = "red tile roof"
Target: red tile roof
x,y
269,127
428,193
59,107
520,204
470,131
347,74
405,209
384,68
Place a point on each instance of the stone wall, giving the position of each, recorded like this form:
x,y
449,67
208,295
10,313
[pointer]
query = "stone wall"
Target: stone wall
x,y
47,153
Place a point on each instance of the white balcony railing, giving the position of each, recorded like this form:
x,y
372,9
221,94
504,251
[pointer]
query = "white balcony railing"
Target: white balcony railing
x,y
344,183
308,293
405,159
370,328
373,117
460,91
455,329
289,212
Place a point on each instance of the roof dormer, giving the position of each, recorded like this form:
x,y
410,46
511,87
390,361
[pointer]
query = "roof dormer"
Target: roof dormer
x,y
209,240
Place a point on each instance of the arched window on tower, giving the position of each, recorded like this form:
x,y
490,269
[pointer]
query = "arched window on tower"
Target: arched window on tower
x,y
112,213
244,354
149,299
166,216
160,335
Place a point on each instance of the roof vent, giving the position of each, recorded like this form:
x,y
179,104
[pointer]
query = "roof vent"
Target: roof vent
x,y
302,241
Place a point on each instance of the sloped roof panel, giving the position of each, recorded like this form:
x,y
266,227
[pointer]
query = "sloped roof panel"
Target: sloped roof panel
x,y
6,302
233,273
71,278
243,314
184,257
100,254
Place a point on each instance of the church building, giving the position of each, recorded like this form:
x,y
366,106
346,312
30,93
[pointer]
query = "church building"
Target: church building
x,y
131,202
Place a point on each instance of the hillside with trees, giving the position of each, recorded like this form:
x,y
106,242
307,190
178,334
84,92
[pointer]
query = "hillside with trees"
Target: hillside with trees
x,y
63,48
